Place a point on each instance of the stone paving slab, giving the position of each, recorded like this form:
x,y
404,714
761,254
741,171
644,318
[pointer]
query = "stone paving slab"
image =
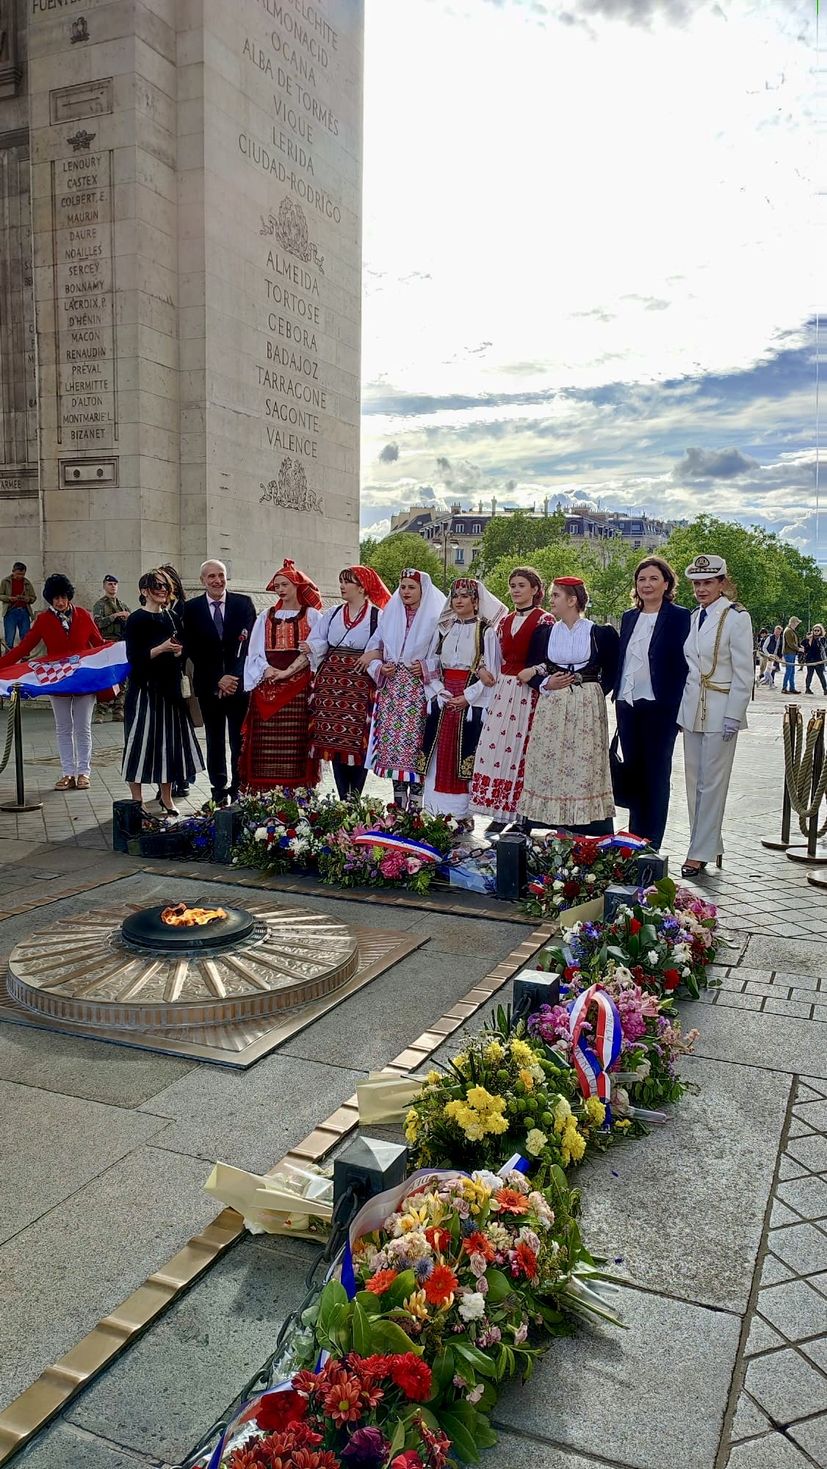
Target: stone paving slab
x,y
76,1140
673,1362
250,1119
160,1397
84,1068
685,1207
511,1452
774,1452
747,1038
74,1265
65,1447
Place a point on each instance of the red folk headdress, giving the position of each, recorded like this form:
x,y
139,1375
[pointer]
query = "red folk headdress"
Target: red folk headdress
x,y
371,582
309,594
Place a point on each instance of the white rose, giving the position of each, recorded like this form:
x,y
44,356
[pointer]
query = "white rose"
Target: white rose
x,y
260,834
590,879
651,957
472,1306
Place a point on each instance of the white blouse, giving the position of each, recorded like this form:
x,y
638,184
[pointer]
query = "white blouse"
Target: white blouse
x,y
332,635
636,682
257,658
571,647
459,650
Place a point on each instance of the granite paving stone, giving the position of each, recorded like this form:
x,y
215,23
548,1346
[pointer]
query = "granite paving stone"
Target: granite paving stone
x,y
63,1273
693,1232
812,1436
583,1383
84,1068
749,1421
803,1247
250,1119
783,955
748,1038
76,1139
762,1338
64,1447
794,1308
810,1152
814,1112
786,1386
164,1394
782,1215
511,1452
772,1452
807,1195
773,1270
816,1349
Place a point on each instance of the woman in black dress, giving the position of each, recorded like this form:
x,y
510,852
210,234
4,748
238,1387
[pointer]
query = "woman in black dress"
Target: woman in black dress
x,y
176,606
160,745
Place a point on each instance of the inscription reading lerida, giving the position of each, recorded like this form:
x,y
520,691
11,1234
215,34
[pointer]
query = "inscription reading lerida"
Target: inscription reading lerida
x,y
85,355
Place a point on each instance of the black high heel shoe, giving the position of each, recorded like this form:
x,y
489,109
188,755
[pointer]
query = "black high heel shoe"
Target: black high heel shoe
x,y
170,810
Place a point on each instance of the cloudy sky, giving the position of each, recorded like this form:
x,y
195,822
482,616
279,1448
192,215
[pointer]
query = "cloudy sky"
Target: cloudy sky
x,y
590,266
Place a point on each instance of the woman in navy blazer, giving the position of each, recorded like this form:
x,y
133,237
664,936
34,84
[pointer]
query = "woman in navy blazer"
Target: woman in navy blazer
x,y
651,673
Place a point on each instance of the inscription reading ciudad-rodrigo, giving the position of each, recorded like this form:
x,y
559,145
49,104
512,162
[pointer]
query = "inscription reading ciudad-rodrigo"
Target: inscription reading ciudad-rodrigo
x,y
82,221
289,68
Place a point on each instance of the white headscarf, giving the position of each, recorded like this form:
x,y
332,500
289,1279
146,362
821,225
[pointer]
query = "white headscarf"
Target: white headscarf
x,y
393,623
490,607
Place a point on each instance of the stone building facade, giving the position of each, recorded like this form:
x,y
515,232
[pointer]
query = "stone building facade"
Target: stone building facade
x,y
180,286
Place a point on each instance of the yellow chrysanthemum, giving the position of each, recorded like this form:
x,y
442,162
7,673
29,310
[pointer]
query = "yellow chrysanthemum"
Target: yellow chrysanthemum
x,y
595,1111
527,1079
521,1052
562,1113
433,1078
483,1100
572,1144
623,1124
412,1126
494,1052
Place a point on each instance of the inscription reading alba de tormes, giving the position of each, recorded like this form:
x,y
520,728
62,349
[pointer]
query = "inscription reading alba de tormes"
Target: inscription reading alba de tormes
x,y
289,72
84,326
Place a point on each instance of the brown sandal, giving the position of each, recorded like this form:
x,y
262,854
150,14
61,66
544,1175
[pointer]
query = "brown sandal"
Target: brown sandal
x,y
82,783
66,783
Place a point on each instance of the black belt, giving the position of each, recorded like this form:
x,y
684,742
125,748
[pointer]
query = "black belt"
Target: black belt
x,y
582,677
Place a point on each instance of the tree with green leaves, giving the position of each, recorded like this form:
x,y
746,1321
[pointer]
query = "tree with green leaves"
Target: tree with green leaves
x,y
391,556
367,546
774,581
518,536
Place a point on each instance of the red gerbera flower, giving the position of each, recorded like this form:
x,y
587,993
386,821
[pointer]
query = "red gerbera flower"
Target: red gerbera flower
x,y
671,979
527,1260
381,1281
412,1375
510,1202
635,925
477,1244
440,1285
277,1409
369,1368
343,1403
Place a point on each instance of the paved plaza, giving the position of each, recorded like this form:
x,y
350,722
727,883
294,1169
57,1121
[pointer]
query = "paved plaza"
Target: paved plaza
x,y
717,1224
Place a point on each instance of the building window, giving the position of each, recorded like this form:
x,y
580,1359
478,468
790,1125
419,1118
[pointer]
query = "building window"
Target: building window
x,y
459,556
476,529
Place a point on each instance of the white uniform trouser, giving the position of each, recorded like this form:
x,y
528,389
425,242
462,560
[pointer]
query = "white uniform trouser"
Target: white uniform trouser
x,y
73,723
707,760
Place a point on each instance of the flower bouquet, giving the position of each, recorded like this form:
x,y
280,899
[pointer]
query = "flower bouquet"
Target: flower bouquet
x,y
504,1094
284,830
362,1412
387,848
567,870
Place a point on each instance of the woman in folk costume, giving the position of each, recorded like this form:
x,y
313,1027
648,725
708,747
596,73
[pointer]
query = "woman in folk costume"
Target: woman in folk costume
x,y
397,654
568,782
276,735
343,694
714,705
457,698
499,763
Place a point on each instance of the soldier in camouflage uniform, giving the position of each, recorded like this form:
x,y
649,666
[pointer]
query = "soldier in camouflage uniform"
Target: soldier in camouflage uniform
x,y
110,616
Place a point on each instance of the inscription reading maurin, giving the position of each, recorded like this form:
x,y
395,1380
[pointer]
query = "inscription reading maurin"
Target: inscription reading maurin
x,y
82,222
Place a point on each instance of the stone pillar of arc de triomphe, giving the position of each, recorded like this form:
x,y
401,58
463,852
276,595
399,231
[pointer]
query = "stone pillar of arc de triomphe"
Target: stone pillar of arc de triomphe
x,y
180,263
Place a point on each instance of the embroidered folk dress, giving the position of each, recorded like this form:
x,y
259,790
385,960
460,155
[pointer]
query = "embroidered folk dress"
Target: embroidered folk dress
x,y
499,764
452,735
567,778
398,718
342,698
276,731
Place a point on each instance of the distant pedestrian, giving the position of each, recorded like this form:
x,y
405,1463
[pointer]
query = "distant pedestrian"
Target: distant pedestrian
x,y
791,646
815,655
772,650
64,629
110,615
17,596
217,629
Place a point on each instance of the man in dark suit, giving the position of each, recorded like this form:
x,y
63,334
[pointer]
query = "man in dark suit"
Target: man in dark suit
x,y
217,629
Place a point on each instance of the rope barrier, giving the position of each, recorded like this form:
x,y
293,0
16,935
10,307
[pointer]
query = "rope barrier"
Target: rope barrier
x,y
798,765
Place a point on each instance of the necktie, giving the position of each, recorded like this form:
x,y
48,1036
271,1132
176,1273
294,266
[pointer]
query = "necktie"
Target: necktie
x,y
218,618
702,618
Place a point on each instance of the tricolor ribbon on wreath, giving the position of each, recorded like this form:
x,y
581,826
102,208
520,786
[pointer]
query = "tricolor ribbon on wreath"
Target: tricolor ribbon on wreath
x,y
592,1059
397,844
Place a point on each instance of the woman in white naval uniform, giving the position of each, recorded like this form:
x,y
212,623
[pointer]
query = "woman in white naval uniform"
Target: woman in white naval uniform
x,y
719,654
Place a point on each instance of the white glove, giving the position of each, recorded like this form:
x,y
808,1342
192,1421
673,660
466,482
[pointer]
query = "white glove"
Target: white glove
x,y
731,728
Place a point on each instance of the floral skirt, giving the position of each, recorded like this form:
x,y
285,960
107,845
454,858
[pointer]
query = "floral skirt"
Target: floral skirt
x,y
398,726
567,776
499,766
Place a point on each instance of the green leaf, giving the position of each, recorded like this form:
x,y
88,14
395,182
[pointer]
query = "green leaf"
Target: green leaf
x,y
499,1286
454,1423
402,1287
361,1330
480,1361
386,1336
370,1303
334,1294
442,1372
398,1440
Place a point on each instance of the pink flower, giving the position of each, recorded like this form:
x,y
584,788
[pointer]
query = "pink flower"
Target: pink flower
x,y
413,864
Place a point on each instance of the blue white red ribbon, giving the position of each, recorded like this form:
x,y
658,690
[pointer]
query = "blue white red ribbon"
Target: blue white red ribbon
x,y
592,1058
391,843
623,839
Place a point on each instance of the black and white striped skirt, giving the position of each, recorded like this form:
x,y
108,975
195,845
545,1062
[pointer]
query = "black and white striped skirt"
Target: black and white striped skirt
x,y
159,740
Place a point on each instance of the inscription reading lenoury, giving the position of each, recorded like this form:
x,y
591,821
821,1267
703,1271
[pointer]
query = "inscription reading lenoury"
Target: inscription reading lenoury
x,y
289,69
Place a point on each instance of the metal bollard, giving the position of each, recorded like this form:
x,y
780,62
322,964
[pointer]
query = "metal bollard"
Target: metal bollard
x,y
21,804
511,866
227,832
